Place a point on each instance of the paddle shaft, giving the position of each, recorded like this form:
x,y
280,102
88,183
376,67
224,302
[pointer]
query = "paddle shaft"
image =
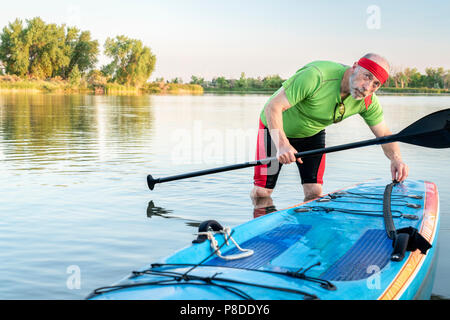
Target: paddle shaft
x,y
381,140
432,131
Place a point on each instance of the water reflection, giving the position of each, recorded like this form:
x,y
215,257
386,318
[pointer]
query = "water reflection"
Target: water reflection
x,y
263,206
438,297
153,211
39,129
193,224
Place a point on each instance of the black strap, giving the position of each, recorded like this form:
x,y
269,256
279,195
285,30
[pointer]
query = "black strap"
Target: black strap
x,y
416,240
405,239
206,226
387,213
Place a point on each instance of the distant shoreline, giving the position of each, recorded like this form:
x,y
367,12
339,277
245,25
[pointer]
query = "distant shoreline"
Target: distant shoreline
x,y
412,91
383,91
15,84
61,86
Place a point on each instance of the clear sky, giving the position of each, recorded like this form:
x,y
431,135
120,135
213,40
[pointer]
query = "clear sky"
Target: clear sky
x,y
211,38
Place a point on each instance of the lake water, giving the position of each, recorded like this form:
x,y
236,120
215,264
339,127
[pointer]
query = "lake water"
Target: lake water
x,y
74,200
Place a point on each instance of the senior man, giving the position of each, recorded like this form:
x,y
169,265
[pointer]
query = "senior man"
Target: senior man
x,y
295,117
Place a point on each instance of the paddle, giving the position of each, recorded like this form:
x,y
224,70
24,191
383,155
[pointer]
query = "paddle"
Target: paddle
x,y
432,131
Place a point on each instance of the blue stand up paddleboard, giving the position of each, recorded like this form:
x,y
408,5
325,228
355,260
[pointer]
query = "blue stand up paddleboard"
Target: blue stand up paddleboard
x,y
374,240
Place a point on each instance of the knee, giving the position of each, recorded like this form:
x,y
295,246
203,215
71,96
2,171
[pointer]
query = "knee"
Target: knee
x,y
312,191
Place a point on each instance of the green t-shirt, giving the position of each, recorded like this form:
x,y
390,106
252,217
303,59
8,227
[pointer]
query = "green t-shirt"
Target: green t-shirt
x,y
313,92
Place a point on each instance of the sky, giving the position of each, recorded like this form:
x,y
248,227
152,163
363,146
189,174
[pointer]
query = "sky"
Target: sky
x,y
211,38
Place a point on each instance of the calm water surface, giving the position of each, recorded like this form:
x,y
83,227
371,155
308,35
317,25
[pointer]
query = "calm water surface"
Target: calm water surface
x,y
73,195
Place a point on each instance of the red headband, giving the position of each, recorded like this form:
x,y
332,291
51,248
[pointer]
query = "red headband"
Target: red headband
x,y
374,68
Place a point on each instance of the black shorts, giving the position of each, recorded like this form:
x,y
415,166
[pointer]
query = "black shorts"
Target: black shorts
x,y
311,171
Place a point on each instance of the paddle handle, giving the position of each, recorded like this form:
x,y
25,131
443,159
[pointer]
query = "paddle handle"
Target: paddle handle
x,y
387,139
151,181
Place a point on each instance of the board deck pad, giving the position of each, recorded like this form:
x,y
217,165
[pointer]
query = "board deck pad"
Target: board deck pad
x,y
373,249
266,247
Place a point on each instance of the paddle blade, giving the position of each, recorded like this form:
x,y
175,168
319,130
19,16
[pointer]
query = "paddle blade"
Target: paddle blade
x,y
432,131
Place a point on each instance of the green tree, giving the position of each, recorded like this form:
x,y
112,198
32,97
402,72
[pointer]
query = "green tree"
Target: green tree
x,y
176,80
272,82
81,50
221,83
398,77
255,83
197,80
96,78
242,82
132,63
434,78
414,78
47,52
447,80
75,76
401,79
14,49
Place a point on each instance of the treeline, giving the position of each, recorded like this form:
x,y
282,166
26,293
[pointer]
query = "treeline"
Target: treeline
x,y
36,50
435,78
268,83
410,79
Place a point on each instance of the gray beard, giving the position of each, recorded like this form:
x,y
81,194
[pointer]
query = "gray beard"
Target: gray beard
x,y
352,88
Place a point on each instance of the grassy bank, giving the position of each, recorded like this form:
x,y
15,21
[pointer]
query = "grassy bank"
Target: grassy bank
x,y
14,83
56,85
384,90
390,90
240,90
172,88
400,91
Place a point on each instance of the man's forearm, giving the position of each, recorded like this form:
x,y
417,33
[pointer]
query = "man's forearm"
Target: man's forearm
x,y
399,169
274,119
392,151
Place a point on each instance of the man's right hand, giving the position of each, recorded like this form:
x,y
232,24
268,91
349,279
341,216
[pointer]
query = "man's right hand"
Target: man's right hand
x,y
286,154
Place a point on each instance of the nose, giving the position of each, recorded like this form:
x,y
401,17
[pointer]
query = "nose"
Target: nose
x,y
365,87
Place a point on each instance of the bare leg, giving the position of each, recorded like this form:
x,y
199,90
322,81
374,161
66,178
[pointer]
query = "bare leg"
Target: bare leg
x,y
262,206
262,201
312,191
260,192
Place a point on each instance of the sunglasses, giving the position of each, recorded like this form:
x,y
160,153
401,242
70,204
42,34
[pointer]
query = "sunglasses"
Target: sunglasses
x,y
339,111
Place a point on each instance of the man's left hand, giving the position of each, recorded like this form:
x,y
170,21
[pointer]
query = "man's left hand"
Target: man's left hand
x,y
399,170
